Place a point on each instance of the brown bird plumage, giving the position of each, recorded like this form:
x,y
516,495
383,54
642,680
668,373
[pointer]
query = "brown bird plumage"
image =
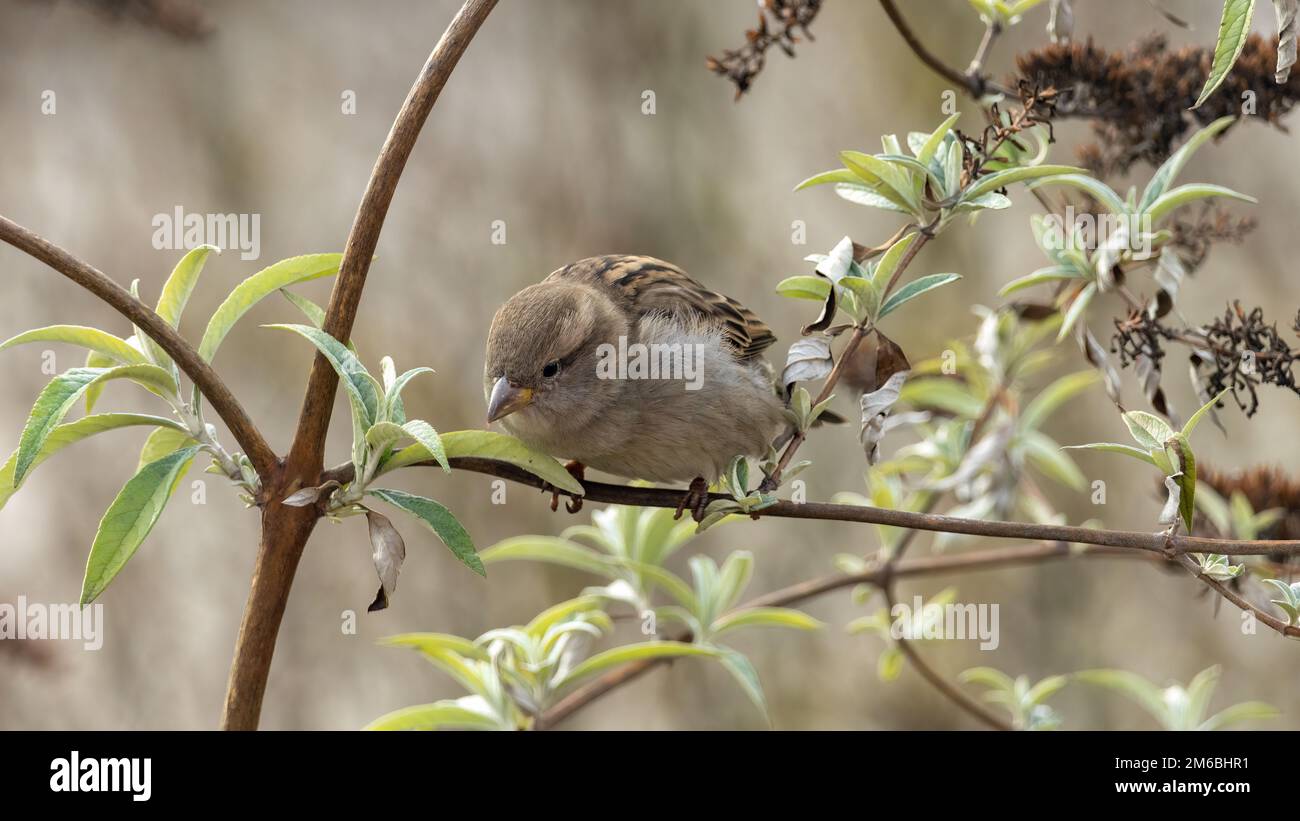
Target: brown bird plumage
x,y
542,374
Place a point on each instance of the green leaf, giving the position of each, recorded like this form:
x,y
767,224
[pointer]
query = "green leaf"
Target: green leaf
x,y
161,442
915,288
354,377
1001,179
432,644
838,175
438,519
1094,188
551,550
1186,479
315,314
114,348
1045,454
1164,176
129,519
439,715
1055,395
1234,26
944,394
58,397
1077,309
889,262
890,664
178,287
252,290
1115,447
889,180
486,444
1055,273
805,287
990,677
74,432
746,676
1149,696
860,194
424,434
632,652
1201,411
1184,194
1237,713
1149,430
932,143
765,617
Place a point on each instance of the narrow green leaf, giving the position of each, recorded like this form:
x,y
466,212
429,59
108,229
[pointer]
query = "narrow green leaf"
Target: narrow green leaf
x,y
440,715
915,288
1234,27
838,175
632,652
486,444
130,518
178,287
805,287
1055,273
551,550
1183,194
1078,307
765,617
742,670
932,143
1094,188
1115,447
74,432
1055,395
1045,454
161,442
63,391
1001,179
424,434
438,519
354,377
112,347
252,290
1164,176
889,262
1201,411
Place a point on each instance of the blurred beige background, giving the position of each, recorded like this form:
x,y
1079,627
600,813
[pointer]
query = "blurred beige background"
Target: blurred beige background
x,y
541,126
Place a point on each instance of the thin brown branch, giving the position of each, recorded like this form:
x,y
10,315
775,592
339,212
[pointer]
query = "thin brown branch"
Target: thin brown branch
x,y
930,565
285,530
182,353
946,688
975,84
1167,545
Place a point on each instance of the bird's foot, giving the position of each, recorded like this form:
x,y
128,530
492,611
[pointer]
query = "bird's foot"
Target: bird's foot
x,y
578,471
695,499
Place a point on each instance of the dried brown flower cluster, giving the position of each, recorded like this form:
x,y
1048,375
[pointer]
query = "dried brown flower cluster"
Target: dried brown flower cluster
x,y
778,23
1193,237
1248,352
1265,487
1139,99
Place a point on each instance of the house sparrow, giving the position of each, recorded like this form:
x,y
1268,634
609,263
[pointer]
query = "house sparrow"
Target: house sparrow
x,y
627,365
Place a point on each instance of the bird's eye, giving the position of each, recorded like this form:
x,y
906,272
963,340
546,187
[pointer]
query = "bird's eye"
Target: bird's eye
x,y
551,370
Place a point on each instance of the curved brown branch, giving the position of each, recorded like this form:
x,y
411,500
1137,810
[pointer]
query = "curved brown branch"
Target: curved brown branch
x,y
930,565
1160,543
182,353
974,83
285,530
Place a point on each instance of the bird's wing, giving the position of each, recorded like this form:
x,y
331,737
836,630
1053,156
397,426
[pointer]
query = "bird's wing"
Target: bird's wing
x,y
647,285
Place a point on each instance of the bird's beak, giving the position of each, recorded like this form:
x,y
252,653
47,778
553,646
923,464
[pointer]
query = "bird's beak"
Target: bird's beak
x,y
506,399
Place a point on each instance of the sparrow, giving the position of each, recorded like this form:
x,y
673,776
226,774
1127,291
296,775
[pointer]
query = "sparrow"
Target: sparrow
x,y
560,373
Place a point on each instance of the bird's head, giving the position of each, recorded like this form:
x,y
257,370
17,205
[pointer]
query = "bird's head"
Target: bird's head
x,y
542,356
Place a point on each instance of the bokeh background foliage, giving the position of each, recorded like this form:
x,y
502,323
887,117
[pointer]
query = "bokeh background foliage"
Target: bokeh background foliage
x,y
542,127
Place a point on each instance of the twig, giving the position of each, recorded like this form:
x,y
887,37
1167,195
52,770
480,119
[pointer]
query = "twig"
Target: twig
x,y
285,529
976,84
182,353
930,565
1150,542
